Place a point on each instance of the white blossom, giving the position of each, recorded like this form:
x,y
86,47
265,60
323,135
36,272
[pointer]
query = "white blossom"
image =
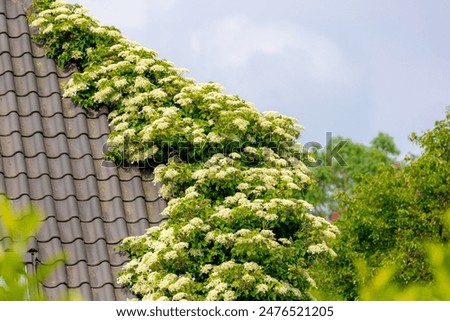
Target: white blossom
x,y
121,126
223,213
198,140
329,234
196,221
263,288
212,295
243,186
251,266
250,150
187,228
179,284
248,278
171,173
293,186
158,93
179,296
284,241
229,295
215,138
180,246
166,234
282,289
157,68
206,268
241,123
48,29
171,255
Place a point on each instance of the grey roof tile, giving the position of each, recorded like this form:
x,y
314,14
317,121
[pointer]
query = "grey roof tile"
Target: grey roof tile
x,y
5,62
51,155
82,166
36,167
53,125
55,146
105,293
18,46
79,146
22,65
14,165
49,106
21,201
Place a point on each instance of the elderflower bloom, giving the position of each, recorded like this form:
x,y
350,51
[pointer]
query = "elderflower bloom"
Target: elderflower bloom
x,y
251,266
158,93
48,29
262,288
206,268
241,123
212,295
141,82
180,246
248,278
250,150
177,285
171,255
171,173
229,296
179,296
282,289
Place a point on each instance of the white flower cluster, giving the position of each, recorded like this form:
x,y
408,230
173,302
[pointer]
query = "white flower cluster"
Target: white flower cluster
x,y
240,192
264,237
193,225
320,248
321,223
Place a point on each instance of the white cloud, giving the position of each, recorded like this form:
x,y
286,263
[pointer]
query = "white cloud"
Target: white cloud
x,y
234,41
127,15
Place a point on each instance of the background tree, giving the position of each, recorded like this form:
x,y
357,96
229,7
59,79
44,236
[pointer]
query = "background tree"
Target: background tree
x,y
333,177
391,216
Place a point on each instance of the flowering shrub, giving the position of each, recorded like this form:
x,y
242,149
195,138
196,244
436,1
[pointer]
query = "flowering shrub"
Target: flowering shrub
x,y
237,226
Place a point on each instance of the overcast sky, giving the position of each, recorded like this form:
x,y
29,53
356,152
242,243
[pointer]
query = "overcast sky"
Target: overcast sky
x,y
352,67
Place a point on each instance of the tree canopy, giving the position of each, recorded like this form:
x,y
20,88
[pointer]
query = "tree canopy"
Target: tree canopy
x,y
335,176
391,216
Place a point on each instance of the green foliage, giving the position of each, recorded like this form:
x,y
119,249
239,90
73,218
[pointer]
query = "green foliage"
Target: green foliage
x,y
67,35
232,218
16,284
334,178
391,217
237,226
41,5
383,286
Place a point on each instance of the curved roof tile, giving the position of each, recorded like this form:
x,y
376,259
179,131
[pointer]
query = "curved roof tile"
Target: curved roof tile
x,y
51,154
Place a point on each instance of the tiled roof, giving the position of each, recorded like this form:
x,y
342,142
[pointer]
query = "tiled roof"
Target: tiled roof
x,y
51,155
